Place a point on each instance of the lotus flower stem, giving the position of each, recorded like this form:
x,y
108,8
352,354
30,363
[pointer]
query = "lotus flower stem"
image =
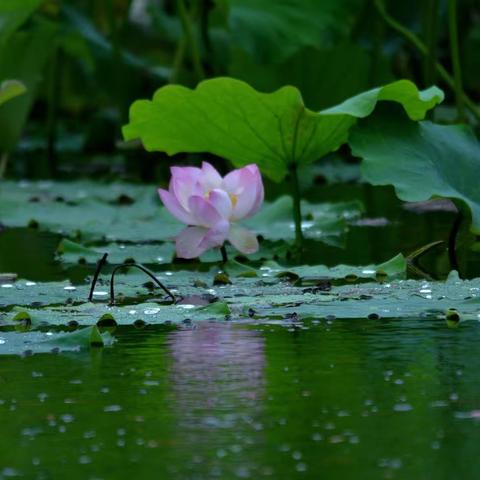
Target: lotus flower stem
x,y
297,209
414,257
454,53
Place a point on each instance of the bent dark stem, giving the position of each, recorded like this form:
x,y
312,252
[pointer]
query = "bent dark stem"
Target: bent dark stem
x,y
452,242
100,265
223,250
414,257
144,270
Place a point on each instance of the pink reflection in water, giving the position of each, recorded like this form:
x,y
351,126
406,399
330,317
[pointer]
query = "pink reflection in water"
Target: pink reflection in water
x,y
217,393
218,364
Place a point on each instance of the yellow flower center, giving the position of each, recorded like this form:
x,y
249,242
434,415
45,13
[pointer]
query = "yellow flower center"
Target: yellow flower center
x,y
233,199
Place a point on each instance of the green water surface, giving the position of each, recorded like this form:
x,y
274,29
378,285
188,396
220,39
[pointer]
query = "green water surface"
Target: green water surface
x,y
320,399
327,399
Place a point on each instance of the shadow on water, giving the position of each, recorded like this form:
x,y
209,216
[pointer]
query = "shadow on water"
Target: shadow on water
x,y
30,254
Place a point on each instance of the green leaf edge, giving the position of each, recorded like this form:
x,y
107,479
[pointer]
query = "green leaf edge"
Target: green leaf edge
x,y
10,89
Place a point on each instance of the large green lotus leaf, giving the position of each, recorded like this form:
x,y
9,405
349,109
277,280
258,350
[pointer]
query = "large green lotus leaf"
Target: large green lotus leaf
x,y
272,31
421,161
10,89
230,119
13,13
21,343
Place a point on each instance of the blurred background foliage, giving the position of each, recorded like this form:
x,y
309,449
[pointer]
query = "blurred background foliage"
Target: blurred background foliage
x,y
84,62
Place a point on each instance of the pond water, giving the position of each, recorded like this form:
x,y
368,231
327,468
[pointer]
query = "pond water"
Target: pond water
x,y
348,399
336,399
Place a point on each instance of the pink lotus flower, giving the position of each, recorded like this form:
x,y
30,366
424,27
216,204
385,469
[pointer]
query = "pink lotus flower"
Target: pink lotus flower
x,y
210,205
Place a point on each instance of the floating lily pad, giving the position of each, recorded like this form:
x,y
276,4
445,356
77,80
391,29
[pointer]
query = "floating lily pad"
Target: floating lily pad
x,y
93,212
268,297
398,299
132,284
81,210
95,313
28,343
72,252
393,268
